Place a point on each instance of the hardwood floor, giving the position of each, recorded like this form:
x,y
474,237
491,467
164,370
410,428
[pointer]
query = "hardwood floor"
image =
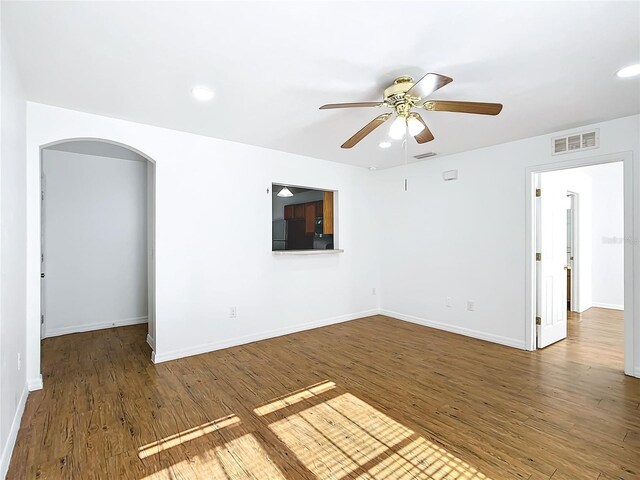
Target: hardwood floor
x,y
371,398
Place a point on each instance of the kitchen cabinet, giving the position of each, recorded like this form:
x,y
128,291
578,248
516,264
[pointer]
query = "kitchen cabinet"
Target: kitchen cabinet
x,y
327,214
310,218
288,212
308,212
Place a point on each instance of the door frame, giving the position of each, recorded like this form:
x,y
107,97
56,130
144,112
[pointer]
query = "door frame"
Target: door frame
x,y
530,281
150,226
575,250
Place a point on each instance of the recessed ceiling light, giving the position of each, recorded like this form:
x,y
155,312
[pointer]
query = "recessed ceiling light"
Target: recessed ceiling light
x,y
203,94
372,168
630,71
385,144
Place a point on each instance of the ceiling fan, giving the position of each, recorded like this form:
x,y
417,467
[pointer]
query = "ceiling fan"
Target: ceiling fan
x,y
405,95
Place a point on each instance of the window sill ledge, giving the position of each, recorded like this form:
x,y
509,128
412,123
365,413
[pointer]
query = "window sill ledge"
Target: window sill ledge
x,y
307,252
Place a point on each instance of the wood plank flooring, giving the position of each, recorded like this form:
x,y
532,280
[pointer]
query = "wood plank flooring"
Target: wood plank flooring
x,y
372,398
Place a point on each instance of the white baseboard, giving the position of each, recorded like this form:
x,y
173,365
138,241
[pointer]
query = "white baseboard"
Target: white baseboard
x,y
35,383
151,342
610,306
509,342
56,332
234,342
7,449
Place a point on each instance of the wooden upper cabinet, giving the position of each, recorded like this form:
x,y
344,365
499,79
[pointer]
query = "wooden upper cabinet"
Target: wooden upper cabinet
x,y
327,214
319,211
298,210
309,217
288,212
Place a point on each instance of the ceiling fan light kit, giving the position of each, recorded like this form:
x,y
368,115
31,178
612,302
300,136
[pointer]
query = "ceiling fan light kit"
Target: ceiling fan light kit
x,y
414,125
398,128
403,96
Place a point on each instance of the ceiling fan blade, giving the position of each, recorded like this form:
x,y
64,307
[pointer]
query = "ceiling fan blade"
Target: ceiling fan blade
x,y
463,107
425,135
429,84
351,105
366,130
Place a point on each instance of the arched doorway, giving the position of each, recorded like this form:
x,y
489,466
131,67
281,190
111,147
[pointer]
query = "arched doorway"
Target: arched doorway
x,y
97,237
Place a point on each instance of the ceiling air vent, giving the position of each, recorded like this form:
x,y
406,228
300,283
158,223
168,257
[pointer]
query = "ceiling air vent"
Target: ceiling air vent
x,y
425,155
576,142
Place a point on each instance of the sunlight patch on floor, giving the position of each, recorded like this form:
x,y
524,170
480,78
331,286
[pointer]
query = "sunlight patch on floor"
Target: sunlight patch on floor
x,y
240,458
187,435
423,459
294,398
345,435
244,458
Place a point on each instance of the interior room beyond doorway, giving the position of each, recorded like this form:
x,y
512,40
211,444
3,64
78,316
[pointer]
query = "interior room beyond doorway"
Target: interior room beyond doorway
x,y
97,238
579,249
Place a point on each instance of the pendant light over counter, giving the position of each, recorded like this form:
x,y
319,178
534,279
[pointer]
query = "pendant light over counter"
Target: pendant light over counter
x,y
285,192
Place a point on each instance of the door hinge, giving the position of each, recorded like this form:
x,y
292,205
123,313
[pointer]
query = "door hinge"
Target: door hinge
x,y
538,321
538,192
41,319
538,257
42,257
42,195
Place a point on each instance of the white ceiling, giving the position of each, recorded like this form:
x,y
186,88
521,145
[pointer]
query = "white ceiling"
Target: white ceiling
x,y
272,64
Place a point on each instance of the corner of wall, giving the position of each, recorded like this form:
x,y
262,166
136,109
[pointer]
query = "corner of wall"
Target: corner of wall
x,y
7,451
35,383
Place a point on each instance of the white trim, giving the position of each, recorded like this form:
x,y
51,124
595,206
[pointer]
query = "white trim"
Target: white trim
x,y
575,302
630,326
610,306
234,342
56,332
308,252
35,383
151,342
509,342
13,434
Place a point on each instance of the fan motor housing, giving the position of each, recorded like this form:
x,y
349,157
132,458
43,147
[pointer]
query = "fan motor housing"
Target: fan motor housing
x,y
397,93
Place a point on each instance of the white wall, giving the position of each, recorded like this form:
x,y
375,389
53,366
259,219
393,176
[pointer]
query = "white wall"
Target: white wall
x,y
95,242
465,239
151,266
13,386
462,239
607,235
213,236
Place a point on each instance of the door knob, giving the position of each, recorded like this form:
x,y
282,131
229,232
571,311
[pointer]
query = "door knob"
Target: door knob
x,y
42,275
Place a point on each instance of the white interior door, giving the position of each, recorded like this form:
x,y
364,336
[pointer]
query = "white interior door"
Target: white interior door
x,y
551,243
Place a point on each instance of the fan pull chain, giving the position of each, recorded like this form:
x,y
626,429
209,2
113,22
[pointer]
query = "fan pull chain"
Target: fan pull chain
x,y
406,158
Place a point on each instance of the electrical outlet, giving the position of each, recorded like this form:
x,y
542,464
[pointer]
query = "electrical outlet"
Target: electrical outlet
x,y
471,305
447,302
233,313
19,362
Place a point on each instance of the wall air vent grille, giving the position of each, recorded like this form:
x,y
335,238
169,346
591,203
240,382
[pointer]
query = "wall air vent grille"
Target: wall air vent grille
x,y
575,142
425,155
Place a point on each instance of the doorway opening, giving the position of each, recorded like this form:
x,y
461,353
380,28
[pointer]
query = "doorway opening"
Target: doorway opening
x,y
97,238
580,269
